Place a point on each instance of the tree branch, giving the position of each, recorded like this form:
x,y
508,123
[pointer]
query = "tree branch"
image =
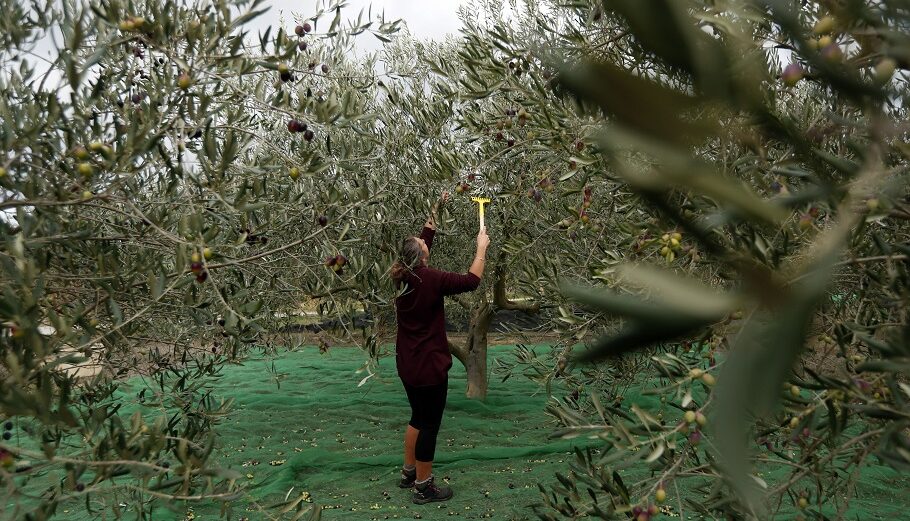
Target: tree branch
x,y
333,291
462,301
499,290
459,352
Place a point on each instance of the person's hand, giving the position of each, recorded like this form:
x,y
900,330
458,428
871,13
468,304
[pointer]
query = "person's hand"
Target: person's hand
x,y
442,200
483,240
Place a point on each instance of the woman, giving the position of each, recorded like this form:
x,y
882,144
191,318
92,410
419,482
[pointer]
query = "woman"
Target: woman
x,y
422,350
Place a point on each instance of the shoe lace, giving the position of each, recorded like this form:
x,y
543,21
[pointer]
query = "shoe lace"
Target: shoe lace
x,y
430,488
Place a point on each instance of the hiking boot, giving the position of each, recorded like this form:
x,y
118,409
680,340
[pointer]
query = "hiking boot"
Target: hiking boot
x,y
428,492
408,478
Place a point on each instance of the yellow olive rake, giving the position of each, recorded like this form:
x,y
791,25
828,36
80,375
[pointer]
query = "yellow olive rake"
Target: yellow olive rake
x,y
480,201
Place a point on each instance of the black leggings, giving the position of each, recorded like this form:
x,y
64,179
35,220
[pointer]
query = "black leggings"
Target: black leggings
x,y
427,405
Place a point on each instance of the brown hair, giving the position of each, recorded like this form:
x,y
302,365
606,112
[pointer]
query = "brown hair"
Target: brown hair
x,y
408,258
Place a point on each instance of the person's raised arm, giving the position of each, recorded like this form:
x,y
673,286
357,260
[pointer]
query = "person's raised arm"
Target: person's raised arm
x,y
454,283
433,217
480,258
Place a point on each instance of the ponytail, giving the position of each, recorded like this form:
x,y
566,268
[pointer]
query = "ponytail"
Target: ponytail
x,y
399,272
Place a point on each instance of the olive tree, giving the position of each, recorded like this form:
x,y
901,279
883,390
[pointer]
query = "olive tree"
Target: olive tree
x,y
144,233
450,124
788,181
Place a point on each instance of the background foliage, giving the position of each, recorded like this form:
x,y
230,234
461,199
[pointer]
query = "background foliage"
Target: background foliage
x,y
713,192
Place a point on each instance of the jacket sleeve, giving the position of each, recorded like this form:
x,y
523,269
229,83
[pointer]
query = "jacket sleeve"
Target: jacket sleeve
x,y
427,235
454,283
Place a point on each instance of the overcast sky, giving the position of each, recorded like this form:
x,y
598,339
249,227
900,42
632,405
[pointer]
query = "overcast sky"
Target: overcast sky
x,y
434,19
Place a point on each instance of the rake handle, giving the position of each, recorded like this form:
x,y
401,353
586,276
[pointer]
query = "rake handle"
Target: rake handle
x,y
481,202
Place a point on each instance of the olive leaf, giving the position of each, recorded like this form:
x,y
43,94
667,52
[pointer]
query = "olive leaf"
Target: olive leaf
x,y
646,324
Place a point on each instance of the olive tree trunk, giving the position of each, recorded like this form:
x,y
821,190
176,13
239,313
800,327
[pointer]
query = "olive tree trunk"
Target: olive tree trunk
x,y
473,353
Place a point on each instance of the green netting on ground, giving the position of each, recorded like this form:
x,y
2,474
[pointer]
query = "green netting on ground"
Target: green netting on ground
x,y
342,444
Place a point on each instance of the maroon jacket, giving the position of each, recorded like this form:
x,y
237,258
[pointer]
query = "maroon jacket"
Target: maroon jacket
x,y
422,348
